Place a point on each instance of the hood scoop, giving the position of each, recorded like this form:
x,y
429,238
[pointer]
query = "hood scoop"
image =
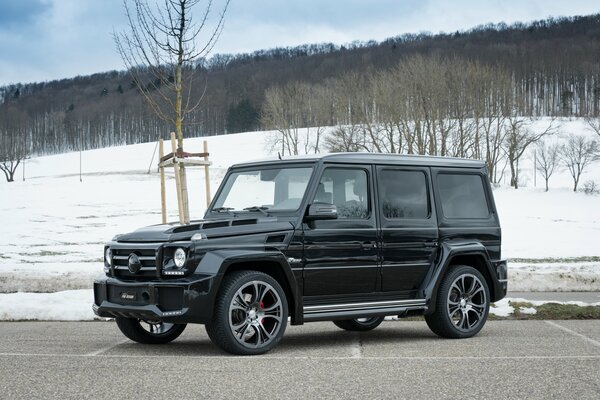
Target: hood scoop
x,y
215,224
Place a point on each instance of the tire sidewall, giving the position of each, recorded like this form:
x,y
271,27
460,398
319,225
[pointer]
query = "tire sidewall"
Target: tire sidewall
x,y
443,300
241,279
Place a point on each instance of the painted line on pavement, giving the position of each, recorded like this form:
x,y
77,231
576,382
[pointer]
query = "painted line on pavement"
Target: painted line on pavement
x,y
258,358
590,340
105,349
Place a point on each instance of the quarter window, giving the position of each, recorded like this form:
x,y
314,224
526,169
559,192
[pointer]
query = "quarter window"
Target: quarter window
x,y
403,194
462,196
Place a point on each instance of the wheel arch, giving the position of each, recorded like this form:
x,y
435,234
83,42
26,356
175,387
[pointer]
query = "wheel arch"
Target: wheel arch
x,y
272,263
274,270
472,254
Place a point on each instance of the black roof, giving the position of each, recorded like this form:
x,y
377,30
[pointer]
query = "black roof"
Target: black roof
x,y
370,158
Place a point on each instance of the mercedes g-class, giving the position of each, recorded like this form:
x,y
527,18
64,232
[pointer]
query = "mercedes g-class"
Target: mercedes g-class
x,y
349,238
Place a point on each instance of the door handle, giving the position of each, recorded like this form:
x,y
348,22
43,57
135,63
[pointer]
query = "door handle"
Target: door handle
x,y
431,243
368,245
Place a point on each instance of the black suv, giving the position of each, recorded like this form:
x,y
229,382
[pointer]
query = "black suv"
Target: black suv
x,y
349,238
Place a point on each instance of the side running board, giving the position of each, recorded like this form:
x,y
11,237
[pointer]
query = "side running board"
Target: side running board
x,y
367,309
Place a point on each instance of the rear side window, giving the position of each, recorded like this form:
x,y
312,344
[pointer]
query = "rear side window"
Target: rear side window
x,y
462,196
403,194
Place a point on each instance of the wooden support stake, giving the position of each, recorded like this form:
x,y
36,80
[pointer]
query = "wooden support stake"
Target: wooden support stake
x,y
163,195
184,192
177,180
206,175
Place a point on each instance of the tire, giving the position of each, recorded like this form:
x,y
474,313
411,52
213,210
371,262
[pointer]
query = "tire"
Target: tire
x,y
462,305
359,324
149,332
250,314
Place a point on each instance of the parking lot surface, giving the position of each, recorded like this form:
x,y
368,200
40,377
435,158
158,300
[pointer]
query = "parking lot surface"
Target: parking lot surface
x,y
400,359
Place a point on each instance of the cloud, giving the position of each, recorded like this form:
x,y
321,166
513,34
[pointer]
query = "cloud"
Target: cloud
x,y
53,39
19,13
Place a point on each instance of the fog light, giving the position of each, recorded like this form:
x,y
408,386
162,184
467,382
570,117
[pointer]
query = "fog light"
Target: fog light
x,y
179,257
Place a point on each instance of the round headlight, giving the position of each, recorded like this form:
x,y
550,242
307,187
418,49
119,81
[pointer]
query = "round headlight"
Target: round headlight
x,y
108,256
179,257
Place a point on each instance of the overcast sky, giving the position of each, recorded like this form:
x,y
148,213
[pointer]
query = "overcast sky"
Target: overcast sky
x,y
51,39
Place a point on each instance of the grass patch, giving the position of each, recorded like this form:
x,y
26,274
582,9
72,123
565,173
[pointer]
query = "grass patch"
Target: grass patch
x,y
550,311
555,260
566,311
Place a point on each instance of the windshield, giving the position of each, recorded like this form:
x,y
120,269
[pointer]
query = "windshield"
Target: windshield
x,y
273,189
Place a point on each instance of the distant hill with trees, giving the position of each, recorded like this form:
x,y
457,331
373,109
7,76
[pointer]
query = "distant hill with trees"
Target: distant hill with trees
x,y
543,68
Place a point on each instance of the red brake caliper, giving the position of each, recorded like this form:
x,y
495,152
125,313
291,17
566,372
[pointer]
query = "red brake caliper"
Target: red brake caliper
x,y
262,307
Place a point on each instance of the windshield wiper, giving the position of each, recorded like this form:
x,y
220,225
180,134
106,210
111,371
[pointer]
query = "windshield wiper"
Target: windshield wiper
x,y
262,209
223,209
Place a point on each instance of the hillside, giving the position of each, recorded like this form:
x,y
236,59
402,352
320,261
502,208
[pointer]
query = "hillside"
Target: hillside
x,y
552,65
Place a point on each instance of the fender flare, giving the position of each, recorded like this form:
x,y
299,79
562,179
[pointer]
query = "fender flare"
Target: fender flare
x,y
218,262
448,251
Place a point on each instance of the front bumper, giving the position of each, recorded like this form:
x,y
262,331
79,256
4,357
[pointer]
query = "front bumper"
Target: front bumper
x,y
187,300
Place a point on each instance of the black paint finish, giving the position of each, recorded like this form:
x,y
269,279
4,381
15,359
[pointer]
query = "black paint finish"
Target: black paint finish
x,y
330,269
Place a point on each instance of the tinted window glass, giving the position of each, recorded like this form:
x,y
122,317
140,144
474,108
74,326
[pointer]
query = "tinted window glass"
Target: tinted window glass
x,y
347,190
462,196
403,194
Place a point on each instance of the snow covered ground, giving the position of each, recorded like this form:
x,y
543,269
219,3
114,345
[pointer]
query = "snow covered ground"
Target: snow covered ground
x,y
52,226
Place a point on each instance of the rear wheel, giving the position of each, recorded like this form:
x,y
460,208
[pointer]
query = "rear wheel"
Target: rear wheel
x,y
462,304
359,324
250,314
149,332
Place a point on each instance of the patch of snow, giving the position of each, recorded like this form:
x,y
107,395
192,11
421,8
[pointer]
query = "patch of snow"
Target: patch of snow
x,y
501,308
528,310
554,277
52,226
71,305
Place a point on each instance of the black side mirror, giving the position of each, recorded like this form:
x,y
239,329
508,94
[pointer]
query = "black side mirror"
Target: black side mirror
x,y
321,211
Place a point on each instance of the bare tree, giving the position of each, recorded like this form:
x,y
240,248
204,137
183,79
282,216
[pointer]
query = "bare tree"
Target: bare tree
x,y
163,45
548,160
13,148
594,124
577,154
518,138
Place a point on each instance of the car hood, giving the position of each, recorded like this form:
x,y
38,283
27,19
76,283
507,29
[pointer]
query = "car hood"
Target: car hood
x,y
212,228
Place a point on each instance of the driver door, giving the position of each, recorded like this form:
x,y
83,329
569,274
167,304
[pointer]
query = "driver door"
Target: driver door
x,y
341,255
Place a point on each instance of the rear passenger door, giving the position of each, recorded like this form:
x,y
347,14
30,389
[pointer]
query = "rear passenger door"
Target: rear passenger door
x,y
408,227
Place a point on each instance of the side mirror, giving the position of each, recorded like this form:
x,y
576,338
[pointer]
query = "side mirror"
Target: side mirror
x,y
321,211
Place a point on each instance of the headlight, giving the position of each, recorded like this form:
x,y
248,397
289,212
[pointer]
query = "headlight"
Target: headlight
x,y
108,256
179,257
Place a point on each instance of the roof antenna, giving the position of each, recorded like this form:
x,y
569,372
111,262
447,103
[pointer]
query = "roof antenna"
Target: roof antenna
x,y
279,155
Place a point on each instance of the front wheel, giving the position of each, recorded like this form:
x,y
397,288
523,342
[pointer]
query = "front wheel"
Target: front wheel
x,y
359,324
462,304
149,332
250,314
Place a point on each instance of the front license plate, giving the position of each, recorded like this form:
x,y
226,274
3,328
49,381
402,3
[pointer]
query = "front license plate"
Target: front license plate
x,y
128,296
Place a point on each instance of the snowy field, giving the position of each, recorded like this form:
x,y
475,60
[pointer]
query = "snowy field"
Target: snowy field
x,y
53,226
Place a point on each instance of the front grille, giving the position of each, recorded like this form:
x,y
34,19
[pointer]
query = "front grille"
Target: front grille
x,y
146,255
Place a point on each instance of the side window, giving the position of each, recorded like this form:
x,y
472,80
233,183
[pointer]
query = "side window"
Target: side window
x,y
347,189
462,196
403,194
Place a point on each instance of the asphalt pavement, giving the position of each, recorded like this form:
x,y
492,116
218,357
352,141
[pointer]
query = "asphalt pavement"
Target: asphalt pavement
x,y
400,359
